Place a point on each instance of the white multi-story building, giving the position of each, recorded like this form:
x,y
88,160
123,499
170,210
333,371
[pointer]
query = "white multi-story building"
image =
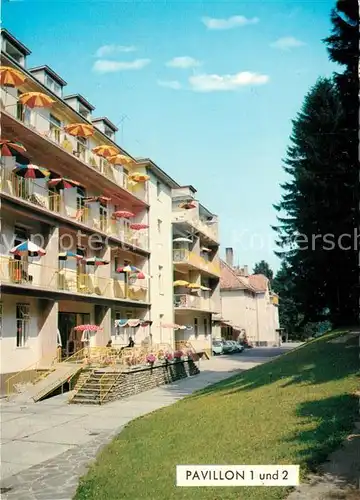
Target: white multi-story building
x,y
79,222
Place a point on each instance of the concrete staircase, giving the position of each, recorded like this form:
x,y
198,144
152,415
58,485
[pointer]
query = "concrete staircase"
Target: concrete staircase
x,y
96,388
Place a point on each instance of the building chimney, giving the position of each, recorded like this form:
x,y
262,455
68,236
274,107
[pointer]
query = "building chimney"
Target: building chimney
x,y
246,271
229,257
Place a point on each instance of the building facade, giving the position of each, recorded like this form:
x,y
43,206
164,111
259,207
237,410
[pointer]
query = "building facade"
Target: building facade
x,y
95,220
248,306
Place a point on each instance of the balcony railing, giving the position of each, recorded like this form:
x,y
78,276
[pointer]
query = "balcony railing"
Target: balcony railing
x,y
37,275
53,133
188,301
183,256
33,192
209,230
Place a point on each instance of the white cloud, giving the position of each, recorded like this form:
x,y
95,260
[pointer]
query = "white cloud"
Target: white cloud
x,y
170,84
183,62
226,24
213,83
107,50
105,66
287,43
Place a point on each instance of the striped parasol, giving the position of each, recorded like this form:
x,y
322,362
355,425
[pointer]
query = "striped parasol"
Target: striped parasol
x,y
36,100
94,199
128,269
105,151
120,160
137,177
26,248
88,328
96,261
11,77
69,255
137,226
123,214
31,171
11,148
63,183
79,129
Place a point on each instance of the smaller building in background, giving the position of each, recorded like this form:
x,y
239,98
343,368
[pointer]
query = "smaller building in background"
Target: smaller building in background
x,y
248,306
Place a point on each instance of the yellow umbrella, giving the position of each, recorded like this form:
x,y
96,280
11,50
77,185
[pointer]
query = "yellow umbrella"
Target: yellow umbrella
x,y
137,177
36,100
105,151
181,283
11,77
193,285
79,129
120,160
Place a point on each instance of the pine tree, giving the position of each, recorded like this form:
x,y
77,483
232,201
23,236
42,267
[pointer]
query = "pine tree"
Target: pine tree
x,y
313,207
263,267
343,48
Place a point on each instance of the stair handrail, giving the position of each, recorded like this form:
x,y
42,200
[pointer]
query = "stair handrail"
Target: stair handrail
x,y
34,366
77,389
106,392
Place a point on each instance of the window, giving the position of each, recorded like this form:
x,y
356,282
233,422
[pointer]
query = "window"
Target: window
x,y
161,280
55,126
161,318
23,113
196,327
22,324
159,223
158,189
14,53
81,147
83,111
108,132
205,327
20,235
103,217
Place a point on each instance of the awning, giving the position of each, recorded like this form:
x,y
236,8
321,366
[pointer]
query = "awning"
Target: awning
x,y
133,323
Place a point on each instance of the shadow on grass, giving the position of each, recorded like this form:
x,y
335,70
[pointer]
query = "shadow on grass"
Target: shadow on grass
x,y
334,417
316,363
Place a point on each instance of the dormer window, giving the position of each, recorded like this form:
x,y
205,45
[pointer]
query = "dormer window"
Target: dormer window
x,y
108,132
14,53
52,85
84,111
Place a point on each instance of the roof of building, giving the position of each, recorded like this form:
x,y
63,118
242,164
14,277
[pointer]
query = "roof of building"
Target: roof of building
x,y
158,172
107,121
20,46
50,72
259,281
231,280
80,98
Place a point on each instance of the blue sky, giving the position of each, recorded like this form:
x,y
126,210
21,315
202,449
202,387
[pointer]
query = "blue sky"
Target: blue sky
x,y
208,90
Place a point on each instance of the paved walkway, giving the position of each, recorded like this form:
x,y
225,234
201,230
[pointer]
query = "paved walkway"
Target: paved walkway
x,y
46,446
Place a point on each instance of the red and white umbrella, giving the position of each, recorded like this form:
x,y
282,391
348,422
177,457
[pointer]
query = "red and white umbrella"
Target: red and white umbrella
x,y
123,214
26,248
88,328
137,226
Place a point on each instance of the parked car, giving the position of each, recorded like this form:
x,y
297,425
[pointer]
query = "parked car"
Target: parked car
x,y
228,348
240,347
217,347
235,345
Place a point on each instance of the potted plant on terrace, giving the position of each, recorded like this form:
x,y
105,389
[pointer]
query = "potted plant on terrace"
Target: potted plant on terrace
x,y
151,358
178,355
169,357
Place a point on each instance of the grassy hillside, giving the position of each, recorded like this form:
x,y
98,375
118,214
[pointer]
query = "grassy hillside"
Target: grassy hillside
x,y
294,410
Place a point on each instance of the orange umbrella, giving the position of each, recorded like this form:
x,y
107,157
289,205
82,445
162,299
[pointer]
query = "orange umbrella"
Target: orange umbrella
x,y
79,129
11,77
120,160
105,151
137,177
36,100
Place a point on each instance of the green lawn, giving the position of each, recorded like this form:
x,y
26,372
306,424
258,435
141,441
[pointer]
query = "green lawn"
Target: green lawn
x,y
294,410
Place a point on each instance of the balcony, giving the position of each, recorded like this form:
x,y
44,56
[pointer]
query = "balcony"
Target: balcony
x,y
53,134
188,301
36,275
185,257
38,195
210,231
